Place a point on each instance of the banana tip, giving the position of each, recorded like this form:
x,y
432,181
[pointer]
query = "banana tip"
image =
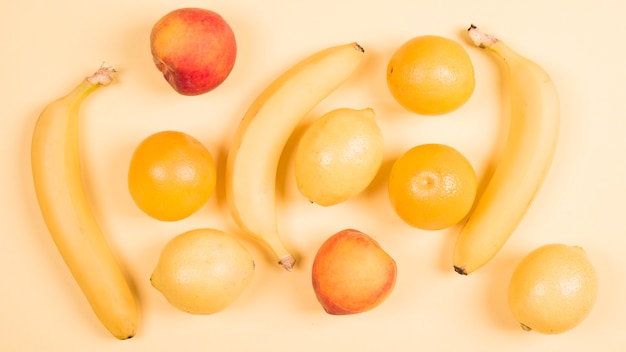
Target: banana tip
x,y
358,47
460,270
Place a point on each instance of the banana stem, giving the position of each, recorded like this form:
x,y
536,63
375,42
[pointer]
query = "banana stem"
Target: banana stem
x,y
480,39
491,42
287,261
102,77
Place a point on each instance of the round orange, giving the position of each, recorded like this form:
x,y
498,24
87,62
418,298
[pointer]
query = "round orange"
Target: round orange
x,y
431,75
171,175
432,186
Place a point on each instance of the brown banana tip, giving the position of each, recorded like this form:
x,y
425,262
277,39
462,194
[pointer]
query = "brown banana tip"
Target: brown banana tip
x,y
459,270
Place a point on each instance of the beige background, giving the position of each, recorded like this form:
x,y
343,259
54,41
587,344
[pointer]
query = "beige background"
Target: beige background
x,y
48,46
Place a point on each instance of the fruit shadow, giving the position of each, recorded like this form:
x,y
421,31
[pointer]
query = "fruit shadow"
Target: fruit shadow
x,y
138,57
498,273
501,84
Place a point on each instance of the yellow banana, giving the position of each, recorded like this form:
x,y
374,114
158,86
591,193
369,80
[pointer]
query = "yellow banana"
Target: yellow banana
x,y
526,159
59,187
263,132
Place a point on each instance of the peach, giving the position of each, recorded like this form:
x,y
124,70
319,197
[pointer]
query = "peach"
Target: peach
x,y
194,48
352,273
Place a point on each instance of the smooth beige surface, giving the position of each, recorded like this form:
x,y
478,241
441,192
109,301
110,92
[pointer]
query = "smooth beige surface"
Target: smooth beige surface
x,y
47,47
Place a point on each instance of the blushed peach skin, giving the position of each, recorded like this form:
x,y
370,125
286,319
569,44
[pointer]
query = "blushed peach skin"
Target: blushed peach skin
x,y
194,48
352,273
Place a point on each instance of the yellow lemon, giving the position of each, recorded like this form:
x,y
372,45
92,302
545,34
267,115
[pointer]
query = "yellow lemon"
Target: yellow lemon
x,y
553,289
431,75
338,156
203,271
171,175
432,186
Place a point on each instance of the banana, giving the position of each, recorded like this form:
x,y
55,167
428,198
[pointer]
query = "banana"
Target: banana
x,y
261,136
526,159
56,169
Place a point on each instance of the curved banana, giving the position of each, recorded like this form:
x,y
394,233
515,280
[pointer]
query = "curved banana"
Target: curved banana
x,y
526,159
66,212
258,142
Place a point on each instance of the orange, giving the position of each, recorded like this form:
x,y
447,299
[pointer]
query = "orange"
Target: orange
x,y
171,175
431,75
432,186
553,289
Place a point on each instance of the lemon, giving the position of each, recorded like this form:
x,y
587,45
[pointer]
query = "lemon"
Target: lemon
x,y
553,289
431,75
338,156
171,175
432,186
203,271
